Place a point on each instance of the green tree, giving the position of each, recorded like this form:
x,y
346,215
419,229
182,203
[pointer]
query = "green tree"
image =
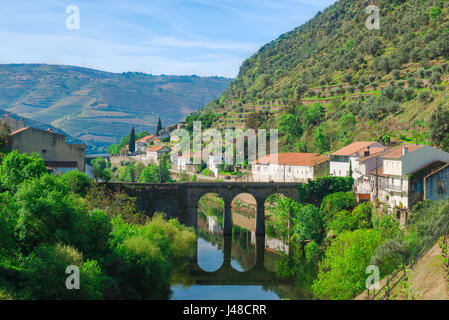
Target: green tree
x,y
342,272
288,126
159,127
16,168
77,182
150,174
45,270
438,125
434,12
335,202
99,169
132,141
390,256
359,218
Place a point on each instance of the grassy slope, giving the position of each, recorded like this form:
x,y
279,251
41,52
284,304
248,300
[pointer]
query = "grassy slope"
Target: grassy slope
x,y
427,280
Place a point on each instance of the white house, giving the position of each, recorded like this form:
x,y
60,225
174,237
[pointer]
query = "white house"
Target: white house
x,y
363,167
185,162
215,161
289,167
156,152
400,179
340,160
142,143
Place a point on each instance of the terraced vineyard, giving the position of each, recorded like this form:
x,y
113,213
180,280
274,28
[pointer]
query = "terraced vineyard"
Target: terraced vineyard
x,y
332,80
100,107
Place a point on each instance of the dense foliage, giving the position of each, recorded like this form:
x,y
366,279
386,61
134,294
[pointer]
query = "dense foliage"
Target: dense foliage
x,y
315,190
50,222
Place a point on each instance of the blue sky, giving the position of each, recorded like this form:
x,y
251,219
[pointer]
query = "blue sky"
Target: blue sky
x,y
203,37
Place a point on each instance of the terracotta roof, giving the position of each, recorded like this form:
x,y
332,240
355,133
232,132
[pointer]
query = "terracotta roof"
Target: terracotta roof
x,y
146,138
353,148
396,153
374,152
155,148
293,159
19,130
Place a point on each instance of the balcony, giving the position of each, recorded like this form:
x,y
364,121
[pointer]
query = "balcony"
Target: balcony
x,y
396,188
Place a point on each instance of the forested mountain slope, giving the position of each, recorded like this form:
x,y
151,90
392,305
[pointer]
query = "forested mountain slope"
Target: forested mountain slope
x,y
332,80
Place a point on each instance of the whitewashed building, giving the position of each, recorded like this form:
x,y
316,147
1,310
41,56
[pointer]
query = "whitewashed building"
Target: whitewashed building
x,y
289,167
341,159
215,162
144,142
400,180
156,152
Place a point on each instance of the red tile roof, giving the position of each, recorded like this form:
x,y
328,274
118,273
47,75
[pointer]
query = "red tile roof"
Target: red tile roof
x,y
155,148
146,138
397,153
374,152
353,148
293,159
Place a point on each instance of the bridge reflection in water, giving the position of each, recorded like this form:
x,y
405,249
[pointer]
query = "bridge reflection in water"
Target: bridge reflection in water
x,y
227,275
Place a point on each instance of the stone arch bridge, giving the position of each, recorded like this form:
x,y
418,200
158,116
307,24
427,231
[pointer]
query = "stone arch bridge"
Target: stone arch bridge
x,y
180,200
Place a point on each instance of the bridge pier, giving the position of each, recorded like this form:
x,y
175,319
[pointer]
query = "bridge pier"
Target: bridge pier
x,y
260,251
227,217
260,217
227,252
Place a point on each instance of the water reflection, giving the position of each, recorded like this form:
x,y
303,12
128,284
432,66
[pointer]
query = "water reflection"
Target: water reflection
x,y
241,266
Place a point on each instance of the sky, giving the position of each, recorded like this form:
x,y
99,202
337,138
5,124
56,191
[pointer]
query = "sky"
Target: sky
x,y
176,37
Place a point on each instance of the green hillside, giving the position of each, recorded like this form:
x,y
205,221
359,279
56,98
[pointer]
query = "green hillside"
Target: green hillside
x,y
100,107
332,80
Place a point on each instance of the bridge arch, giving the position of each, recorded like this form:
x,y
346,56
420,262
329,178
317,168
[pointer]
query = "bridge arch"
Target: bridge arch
x,y
209,231
180,200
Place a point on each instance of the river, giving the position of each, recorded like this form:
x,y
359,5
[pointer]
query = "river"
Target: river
x,y
250,275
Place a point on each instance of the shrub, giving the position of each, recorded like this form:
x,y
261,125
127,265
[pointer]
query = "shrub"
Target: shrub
x,y
342,271
76,181
46,274
335,202
315,190
17,167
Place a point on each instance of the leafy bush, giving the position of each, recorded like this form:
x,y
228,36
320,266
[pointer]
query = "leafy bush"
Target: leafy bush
x,y
76,181
46,274
315,190
336,202
17,167
342,271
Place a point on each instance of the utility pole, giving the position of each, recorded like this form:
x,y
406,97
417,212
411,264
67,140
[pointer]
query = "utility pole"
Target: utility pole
x,y
377,177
